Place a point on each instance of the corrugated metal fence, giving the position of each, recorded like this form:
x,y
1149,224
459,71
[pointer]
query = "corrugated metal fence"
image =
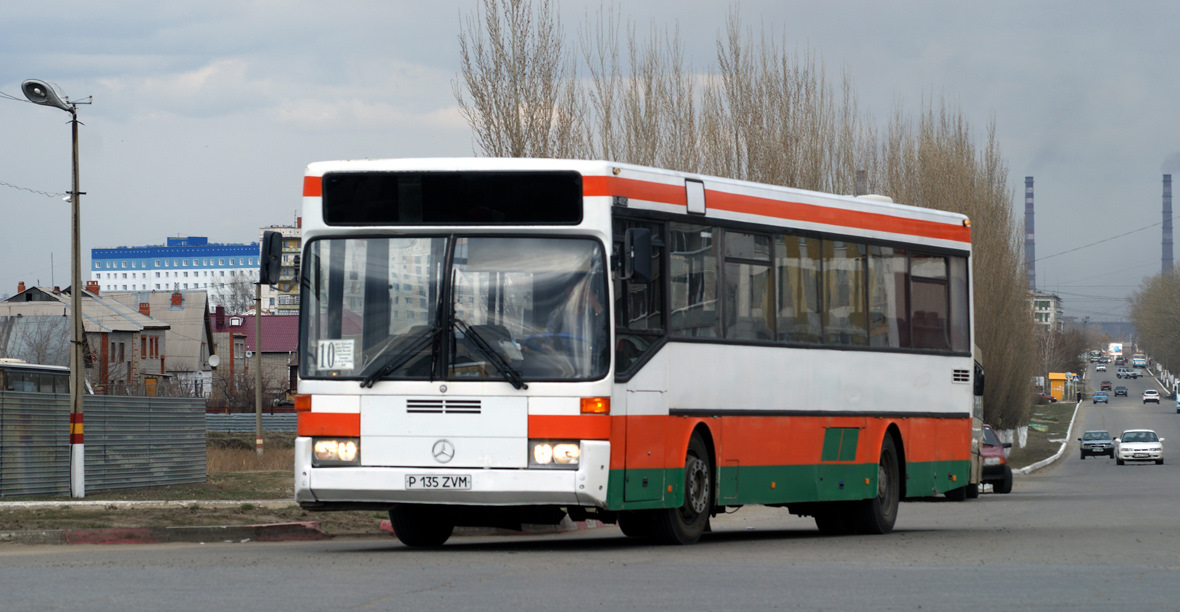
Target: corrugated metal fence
x,y
244,423
130,442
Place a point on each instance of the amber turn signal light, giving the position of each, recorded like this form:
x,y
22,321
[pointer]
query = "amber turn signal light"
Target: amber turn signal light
x,y
595,405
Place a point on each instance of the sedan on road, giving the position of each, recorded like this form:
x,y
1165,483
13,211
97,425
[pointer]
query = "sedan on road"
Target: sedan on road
x,y
1151,395
1097,442
1100,367
1120,390
1104,385
1138,445
1101,396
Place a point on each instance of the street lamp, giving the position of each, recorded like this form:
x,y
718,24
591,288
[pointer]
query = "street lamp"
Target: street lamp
x,y
45,94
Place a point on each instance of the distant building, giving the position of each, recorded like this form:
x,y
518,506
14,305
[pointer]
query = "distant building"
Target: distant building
x,y
181,264
1047,311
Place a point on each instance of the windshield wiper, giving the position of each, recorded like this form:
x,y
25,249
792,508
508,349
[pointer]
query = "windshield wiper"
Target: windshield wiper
x,y
385,363
497,360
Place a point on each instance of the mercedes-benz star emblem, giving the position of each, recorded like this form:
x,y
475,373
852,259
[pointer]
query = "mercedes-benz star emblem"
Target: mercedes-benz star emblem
x,y
443,451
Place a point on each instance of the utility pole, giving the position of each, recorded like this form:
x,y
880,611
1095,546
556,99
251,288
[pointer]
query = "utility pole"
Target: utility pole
x,y
258,368
46,94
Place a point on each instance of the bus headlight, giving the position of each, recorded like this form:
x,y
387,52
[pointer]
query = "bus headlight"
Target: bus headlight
x,y
554,453
335,451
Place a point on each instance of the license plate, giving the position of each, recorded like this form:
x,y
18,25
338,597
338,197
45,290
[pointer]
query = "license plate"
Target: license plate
x,y
451,482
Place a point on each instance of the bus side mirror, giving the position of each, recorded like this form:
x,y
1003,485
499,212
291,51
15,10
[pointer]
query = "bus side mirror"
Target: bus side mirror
x,y
979,382
272,258
637,255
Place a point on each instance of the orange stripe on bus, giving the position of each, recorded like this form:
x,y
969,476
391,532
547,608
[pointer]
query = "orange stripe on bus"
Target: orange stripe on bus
x,y
718,200
660,441
569,427
634,188
312,186
342,424
779,209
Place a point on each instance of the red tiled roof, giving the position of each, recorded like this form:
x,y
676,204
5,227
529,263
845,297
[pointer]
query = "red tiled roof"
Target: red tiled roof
x,y
280,333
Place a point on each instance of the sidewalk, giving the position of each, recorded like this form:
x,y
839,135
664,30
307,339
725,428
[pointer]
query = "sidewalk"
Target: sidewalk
x,y
266,532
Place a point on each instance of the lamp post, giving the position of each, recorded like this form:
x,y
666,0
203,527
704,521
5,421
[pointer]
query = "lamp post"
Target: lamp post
x,y
45,94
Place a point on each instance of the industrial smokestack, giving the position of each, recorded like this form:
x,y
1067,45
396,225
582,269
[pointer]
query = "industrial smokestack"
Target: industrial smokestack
x,y
1166,247
1029,243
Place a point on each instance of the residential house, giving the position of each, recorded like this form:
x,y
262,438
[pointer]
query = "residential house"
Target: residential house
x,y
235,376
189,338
124,349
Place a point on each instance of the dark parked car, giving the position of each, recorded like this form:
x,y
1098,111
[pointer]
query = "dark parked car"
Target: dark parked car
x,y
1120,390
996,470
1097,442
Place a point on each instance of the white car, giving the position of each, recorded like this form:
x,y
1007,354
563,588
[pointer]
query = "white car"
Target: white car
x,y
1151,395
1138,445
1100,367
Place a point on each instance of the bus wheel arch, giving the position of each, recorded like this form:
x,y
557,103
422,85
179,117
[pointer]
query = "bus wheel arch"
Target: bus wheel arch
x,y
685,524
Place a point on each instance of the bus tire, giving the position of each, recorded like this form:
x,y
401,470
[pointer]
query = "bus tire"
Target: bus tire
x,y
420,526
973,491
959,494
878,514
684,525
832,518
636,524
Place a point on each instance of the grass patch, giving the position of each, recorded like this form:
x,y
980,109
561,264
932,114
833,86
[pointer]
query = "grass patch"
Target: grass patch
x,y
1047,428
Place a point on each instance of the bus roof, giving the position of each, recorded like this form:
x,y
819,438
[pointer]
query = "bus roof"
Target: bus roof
x,y
668,191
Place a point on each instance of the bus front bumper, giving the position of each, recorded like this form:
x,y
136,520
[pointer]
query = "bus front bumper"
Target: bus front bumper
x,y
330,488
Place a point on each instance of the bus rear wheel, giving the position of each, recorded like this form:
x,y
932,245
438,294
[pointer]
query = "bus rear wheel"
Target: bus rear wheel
x,y
420,526
877,515
684,525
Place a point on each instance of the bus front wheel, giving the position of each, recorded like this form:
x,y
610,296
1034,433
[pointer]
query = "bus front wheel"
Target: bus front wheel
x,y
420,526
878,514
684,525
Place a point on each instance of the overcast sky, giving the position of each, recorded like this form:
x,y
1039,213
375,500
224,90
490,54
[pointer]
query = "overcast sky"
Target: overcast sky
x,y
206,112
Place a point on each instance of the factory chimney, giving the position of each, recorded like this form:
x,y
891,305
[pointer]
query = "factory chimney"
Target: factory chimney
x,y
1029,243
1166,247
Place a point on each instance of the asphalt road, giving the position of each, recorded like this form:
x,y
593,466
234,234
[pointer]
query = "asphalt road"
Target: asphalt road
x,y
1077,535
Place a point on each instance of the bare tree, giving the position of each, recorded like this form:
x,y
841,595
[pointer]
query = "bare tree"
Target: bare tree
x,y
237,295
1157,319
40,339
764,115
518,88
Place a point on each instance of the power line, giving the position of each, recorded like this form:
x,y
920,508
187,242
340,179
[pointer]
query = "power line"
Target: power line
x,y
1084,246
36,191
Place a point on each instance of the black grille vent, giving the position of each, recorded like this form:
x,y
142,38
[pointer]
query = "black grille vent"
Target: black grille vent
x,y
443,406
962,376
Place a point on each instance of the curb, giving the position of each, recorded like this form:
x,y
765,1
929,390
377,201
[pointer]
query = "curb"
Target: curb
x,y
1061,451
276,532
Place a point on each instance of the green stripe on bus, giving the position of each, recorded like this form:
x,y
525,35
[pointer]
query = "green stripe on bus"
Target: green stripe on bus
x,y
780,484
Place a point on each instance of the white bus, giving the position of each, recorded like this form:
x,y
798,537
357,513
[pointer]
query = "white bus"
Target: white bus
x,y
498,342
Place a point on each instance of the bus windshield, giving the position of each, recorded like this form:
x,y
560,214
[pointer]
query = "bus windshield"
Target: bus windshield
x,y
455,308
